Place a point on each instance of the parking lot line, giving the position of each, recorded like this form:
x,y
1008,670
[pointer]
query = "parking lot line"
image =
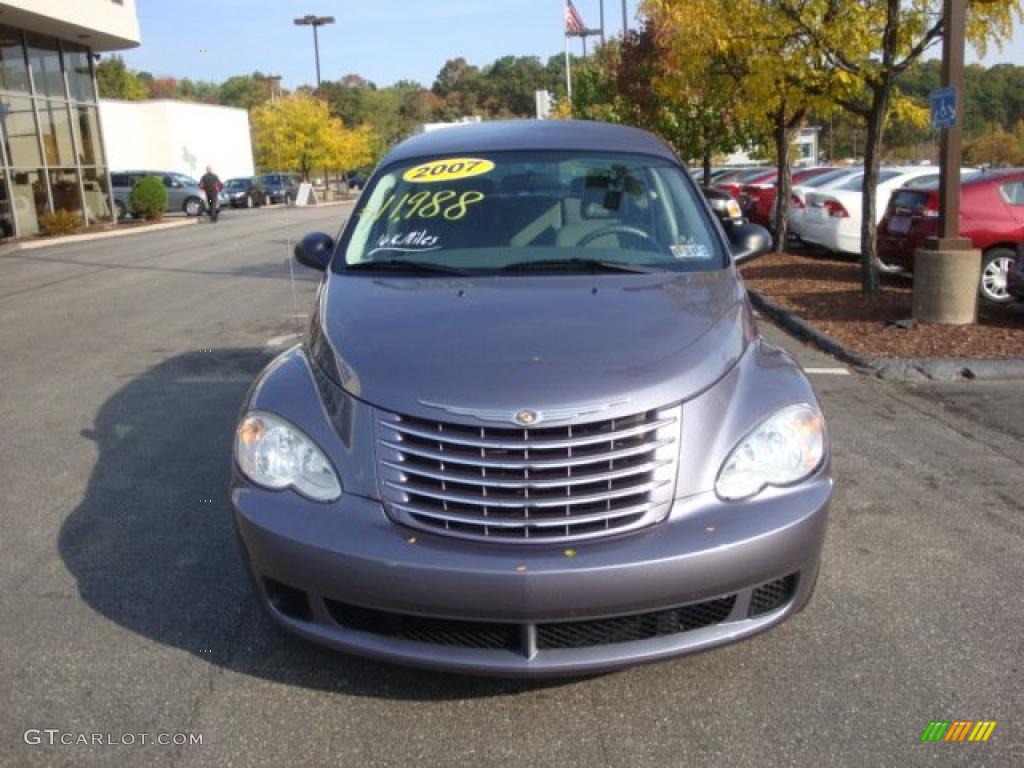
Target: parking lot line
x,y
828,371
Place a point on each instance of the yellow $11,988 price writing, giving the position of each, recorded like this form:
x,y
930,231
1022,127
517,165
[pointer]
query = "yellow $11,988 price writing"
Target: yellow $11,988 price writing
x,y
428,205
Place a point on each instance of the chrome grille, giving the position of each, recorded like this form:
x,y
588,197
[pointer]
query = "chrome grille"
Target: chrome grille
x,y
543,484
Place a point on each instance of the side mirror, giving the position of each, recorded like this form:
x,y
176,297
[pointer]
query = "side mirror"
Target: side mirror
x,y
748,241
314,250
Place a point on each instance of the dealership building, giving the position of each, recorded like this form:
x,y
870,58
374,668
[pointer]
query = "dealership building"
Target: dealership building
x,y
52,148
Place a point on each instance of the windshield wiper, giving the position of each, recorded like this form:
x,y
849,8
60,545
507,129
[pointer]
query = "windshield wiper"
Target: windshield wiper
x,y
576,263
404,265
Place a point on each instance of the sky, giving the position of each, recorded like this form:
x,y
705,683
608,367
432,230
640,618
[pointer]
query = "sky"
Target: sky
x,y
382,40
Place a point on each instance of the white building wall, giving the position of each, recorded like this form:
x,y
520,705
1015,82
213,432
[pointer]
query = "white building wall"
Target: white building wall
x,y
103,25
181,136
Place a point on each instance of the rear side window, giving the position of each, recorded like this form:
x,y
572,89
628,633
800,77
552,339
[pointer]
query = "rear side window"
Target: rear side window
x,y
1013,192
120,180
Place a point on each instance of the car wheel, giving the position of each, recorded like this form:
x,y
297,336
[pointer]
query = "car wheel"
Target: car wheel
x,y
995,268
193,206
289,199
249,202
122,212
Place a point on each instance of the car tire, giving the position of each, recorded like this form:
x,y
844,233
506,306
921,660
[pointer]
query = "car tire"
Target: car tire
x,y
995,268
192,206
249,202
289,199
122,211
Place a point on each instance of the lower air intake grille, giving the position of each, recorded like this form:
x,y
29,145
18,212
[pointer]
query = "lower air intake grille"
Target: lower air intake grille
x,y
773,595
465,634
624,629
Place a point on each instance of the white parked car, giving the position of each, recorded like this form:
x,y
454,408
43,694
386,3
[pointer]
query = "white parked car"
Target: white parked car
x,y
798,195
832,218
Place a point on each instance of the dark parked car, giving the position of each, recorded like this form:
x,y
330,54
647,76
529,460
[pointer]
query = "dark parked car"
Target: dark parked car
x,y
723,204
183,192
278,187
1015,279
242,193
532,429
991,217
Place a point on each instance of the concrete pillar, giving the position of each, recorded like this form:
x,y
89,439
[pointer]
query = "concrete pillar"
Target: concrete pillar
x,y
946,286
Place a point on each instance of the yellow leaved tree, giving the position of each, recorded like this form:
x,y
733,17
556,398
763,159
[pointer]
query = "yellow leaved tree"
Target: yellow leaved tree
x,y
297,133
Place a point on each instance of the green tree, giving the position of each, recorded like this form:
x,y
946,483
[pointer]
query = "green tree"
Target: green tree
x,y
244,91
116,81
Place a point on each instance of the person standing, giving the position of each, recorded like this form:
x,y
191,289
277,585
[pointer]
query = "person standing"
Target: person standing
x,y
211,186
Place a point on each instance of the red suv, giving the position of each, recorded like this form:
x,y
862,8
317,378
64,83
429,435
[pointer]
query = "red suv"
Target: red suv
x,y
991,217
757,196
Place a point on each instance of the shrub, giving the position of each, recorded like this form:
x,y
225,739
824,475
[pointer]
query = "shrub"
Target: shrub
x,y
59,223
148,198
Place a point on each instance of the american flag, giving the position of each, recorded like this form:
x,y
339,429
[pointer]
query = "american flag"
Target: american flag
x,y
574,25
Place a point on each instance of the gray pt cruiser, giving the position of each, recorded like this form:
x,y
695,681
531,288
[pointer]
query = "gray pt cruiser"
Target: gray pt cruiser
x,y
532,429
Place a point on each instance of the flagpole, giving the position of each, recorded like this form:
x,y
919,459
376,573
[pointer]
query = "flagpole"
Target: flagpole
x,y
568,63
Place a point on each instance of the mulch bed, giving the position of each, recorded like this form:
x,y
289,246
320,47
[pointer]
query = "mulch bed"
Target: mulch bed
x,y
825,291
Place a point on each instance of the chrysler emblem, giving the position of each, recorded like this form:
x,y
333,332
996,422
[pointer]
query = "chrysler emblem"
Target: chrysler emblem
x,y
526,417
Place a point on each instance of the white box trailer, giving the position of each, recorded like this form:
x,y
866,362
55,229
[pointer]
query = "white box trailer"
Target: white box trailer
x,y
182,136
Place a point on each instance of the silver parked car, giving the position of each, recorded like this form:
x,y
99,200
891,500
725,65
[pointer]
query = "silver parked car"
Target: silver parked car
x,y
532,429
183,193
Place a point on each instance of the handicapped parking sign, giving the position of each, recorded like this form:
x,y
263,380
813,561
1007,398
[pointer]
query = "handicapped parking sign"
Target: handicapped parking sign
x,y
943,102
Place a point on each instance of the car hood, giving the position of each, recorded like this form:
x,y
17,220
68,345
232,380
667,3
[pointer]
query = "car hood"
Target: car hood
x,y
629,342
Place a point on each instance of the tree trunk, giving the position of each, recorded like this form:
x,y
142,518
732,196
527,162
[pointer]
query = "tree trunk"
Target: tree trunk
x,y
872,159
707,166
783,131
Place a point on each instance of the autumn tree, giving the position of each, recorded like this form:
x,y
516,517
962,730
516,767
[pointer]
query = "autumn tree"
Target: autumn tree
x,y
869,44
298,133
747,49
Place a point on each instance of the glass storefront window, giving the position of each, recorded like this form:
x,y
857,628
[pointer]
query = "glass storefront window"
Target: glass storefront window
x,y
90,147
18,122
67,195
28,199
76,64
6,213
56,129
13,72
97,197
44,60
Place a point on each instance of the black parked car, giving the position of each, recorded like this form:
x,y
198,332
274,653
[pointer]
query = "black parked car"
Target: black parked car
x,y
723,204
243,193
278,187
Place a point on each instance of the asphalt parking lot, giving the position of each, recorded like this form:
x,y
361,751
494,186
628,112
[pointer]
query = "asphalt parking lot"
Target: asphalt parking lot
x,y
127,610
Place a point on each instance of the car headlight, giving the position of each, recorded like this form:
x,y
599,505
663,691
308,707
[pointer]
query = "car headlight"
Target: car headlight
x,y
276,454
783,449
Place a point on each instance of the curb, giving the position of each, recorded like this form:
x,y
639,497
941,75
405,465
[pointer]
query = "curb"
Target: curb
x,y
31,245
905,369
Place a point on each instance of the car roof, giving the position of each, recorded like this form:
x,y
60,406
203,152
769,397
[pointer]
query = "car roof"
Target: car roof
x,y
512,135
995,174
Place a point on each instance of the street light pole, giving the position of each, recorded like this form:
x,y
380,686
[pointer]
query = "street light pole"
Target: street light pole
x,y
315,22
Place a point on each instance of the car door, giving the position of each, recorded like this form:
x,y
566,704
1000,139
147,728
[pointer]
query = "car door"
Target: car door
x,y
175,192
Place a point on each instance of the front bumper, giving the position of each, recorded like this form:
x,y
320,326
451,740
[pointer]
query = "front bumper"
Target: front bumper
x,y
318,565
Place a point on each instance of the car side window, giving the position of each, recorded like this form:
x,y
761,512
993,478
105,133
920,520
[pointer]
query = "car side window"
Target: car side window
x,y
1013,192
120,180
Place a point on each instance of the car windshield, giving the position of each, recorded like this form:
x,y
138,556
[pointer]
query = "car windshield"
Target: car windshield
x,y
236,184
519,211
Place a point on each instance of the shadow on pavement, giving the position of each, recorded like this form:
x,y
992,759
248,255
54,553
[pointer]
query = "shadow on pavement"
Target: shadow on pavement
x,y
153,548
